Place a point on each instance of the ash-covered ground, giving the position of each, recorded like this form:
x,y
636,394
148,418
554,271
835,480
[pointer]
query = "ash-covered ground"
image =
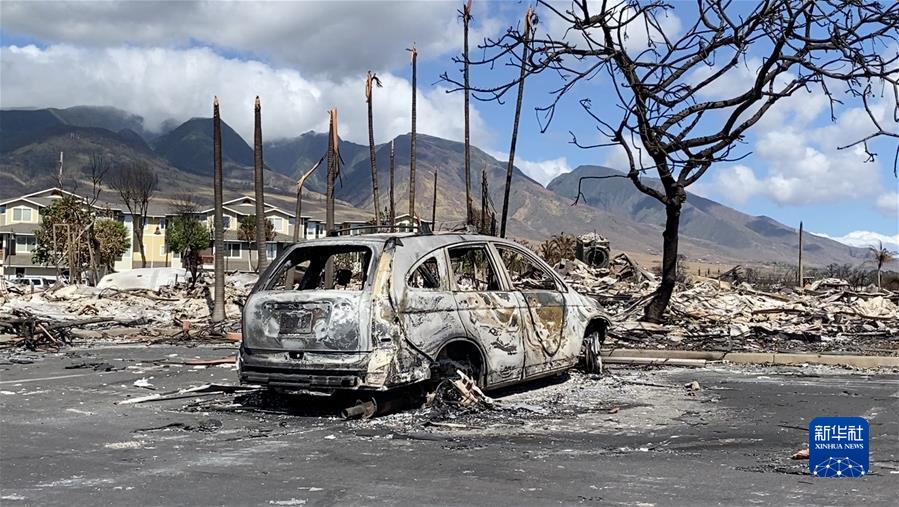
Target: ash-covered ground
x,y
719,434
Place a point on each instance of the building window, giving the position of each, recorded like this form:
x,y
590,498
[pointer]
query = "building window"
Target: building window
x,y
21,214
277,223
310,230
226,221
162,223
271,250
25,244
232,250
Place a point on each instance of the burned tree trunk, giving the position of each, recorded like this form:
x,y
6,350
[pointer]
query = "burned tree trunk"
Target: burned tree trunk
x,y
299,209
656,307
261,257
412,140
333,161
218,308
528,23
392,170
369,81
466,17
332,174
434,205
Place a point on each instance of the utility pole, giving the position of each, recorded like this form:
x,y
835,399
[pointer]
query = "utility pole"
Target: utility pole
x,y
800,256
412,141
528,24
218,307
261,256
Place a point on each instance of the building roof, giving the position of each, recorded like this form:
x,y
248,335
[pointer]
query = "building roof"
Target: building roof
x,y
20,260
18,228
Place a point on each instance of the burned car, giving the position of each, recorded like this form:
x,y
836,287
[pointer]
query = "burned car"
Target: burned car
x,y
382,311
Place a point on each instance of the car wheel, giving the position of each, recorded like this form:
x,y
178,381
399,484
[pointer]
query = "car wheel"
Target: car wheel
x,y
592,359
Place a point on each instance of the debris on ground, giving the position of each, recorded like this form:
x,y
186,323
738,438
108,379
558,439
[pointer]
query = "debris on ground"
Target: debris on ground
x,y
718,315
189,392
152,304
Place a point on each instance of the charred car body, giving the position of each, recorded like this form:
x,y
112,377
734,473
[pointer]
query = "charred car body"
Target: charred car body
x,y
377,312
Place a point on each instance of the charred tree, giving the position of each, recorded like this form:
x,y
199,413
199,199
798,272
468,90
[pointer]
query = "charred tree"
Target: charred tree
x,y
299,209
529,19
670,116
218,308
370,81
414,53
333,166
466,18
261,255
392,170
434,205
136,184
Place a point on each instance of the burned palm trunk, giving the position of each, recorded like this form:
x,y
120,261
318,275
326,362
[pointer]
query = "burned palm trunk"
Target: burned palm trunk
x,y
434,205
218,308
528,24
392,170
412,140
466,17
483,223
333,161
261,258
369,81
800,280
299,208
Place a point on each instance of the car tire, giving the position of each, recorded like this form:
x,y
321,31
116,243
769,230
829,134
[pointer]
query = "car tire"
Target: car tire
x,y
592,359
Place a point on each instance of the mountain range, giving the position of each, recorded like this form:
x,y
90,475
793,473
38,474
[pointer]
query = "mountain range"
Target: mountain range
x,y
31,140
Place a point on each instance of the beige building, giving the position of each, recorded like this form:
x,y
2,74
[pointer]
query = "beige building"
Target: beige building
x,y
20,217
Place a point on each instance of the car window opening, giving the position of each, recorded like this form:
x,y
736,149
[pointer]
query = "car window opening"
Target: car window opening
x,y
524,272
305,268
426,276
472,271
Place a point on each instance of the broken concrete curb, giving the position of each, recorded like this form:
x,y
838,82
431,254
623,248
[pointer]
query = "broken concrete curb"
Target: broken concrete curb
x,y
699,358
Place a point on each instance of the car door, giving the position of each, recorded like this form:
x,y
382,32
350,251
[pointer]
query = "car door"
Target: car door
x,y
489,311
427,307
546,346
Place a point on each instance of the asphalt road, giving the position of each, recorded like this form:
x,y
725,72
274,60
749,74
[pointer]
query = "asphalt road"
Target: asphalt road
x,y
631,437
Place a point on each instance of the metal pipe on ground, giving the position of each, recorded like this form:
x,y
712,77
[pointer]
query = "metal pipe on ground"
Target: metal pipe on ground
x,y
360,410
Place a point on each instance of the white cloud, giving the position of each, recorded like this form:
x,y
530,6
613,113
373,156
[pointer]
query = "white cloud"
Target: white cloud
x,y
637,33
864,239
160,84
798,164
334,38
543,171
888,205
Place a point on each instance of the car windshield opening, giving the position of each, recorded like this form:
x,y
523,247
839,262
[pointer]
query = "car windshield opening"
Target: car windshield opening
x,y
323,267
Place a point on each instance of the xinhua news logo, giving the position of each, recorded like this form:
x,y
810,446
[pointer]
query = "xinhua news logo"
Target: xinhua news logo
x,y
838,446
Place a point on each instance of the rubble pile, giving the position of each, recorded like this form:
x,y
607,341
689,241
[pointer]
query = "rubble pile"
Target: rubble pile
x,y
713,314
166,308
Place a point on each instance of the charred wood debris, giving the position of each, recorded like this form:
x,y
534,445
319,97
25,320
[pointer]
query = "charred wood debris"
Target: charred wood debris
x,y
723,313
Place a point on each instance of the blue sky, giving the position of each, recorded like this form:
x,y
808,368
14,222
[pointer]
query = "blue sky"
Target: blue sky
x,y
165,60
